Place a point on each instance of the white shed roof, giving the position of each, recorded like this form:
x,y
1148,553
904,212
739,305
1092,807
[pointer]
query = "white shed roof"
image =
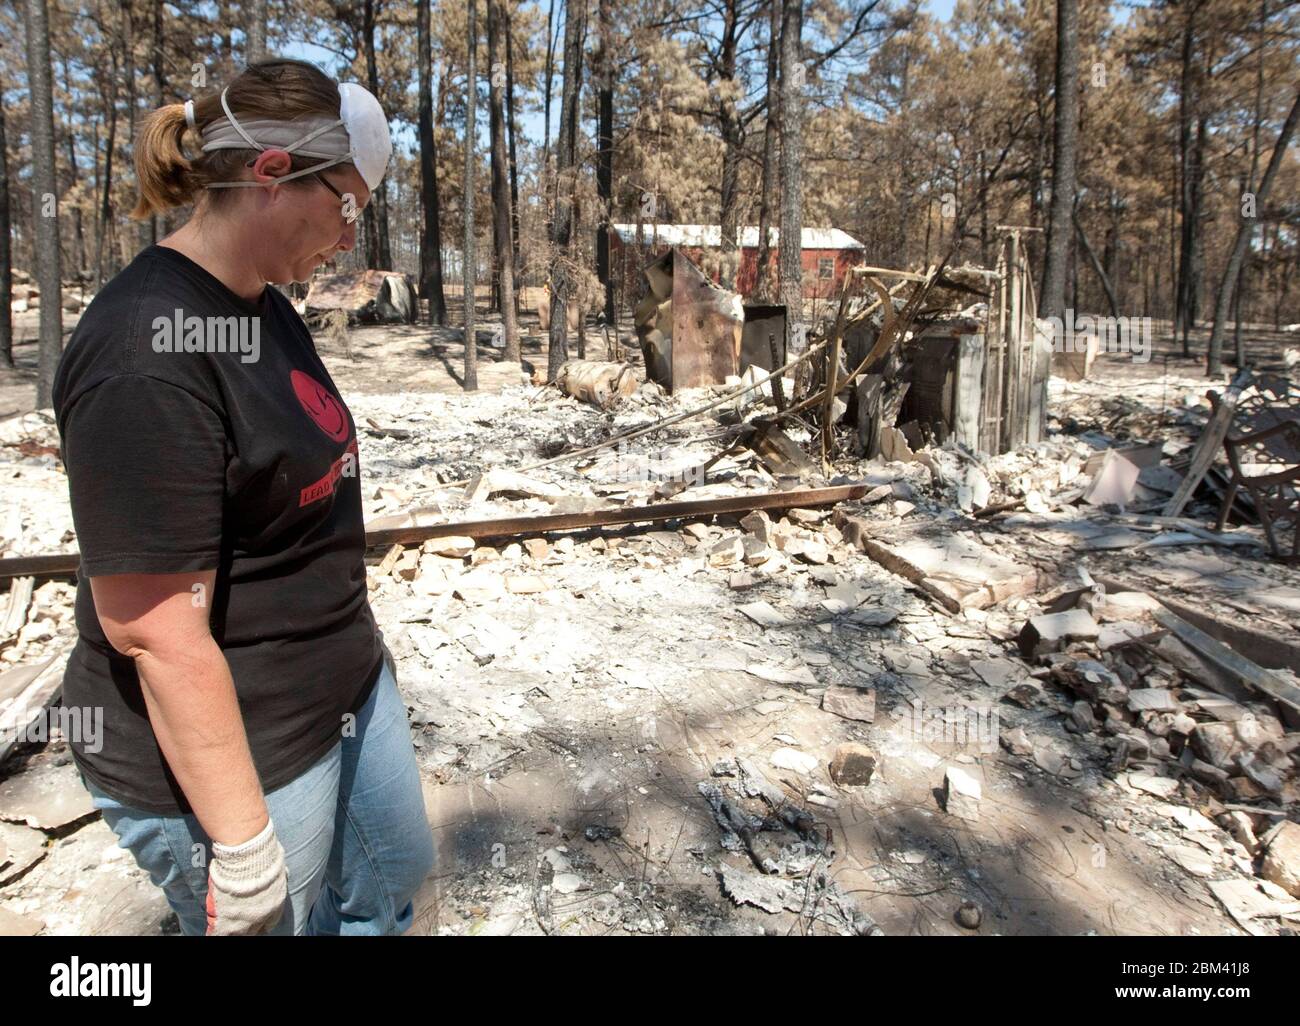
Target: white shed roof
x,y
709,236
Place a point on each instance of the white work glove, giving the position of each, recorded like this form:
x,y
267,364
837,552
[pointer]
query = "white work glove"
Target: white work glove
x,y
247,886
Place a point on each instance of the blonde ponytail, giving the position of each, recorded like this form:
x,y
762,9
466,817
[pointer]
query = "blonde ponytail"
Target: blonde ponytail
x,y
163,173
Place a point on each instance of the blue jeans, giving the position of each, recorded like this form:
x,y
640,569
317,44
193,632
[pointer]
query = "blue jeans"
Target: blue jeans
x,y
356,840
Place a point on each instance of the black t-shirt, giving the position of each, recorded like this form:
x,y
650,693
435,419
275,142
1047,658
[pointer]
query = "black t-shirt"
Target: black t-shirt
x,y
201,431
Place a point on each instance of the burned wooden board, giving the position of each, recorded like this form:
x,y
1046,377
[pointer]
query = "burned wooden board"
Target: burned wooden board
x,y
1235,665
958,572
1207,447
779,453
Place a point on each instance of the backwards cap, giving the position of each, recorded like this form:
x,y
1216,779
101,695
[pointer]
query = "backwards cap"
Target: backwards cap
x,y
359,134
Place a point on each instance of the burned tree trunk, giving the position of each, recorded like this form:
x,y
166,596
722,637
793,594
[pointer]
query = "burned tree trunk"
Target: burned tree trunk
x,y
1066,137
1097,268
256,30
548,77
770,133
604,68
469,256
377,208
44,197
790,254
6,260
733,142
503,248
104,228
510,137
562,292
1213,362
431,235
1189,159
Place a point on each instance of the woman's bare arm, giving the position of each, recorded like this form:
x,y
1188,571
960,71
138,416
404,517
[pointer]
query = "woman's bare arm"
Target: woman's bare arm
x,y
161,622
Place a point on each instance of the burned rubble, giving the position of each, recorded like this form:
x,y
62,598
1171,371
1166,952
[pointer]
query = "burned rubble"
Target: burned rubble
x,y
923,703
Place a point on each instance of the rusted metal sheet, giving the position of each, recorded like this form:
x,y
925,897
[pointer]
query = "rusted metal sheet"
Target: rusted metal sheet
x,y
689,329
707,324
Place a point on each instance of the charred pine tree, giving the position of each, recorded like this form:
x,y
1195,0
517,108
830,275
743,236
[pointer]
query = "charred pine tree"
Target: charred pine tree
x,y
469,256
771,132
431,231
562,291
789,254
6,257
377,208
502,236
604,74
45,214
1065,145
510,142
1214,359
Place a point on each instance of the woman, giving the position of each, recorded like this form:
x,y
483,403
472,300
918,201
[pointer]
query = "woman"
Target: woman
x,y
256,757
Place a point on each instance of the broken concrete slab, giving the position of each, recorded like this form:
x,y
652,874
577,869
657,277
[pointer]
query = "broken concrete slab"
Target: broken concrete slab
x,y
1194,860
727,552
1214,742
1246,902
764,614
794,760
1152,700
452,546
850,703
14,925
961,794
45,796
1282,859
957,571
21,847
776,673
1016,741
1161,787
526,584
1053,631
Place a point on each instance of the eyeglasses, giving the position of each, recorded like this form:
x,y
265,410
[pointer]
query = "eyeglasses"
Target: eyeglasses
x,y
350,209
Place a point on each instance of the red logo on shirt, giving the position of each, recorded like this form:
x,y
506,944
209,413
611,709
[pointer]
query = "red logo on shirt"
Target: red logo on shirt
x,y
321,405
325,486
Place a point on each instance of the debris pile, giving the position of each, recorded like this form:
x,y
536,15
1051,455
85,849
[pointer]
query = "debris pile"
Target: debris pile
x,y
1179,716
697,704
